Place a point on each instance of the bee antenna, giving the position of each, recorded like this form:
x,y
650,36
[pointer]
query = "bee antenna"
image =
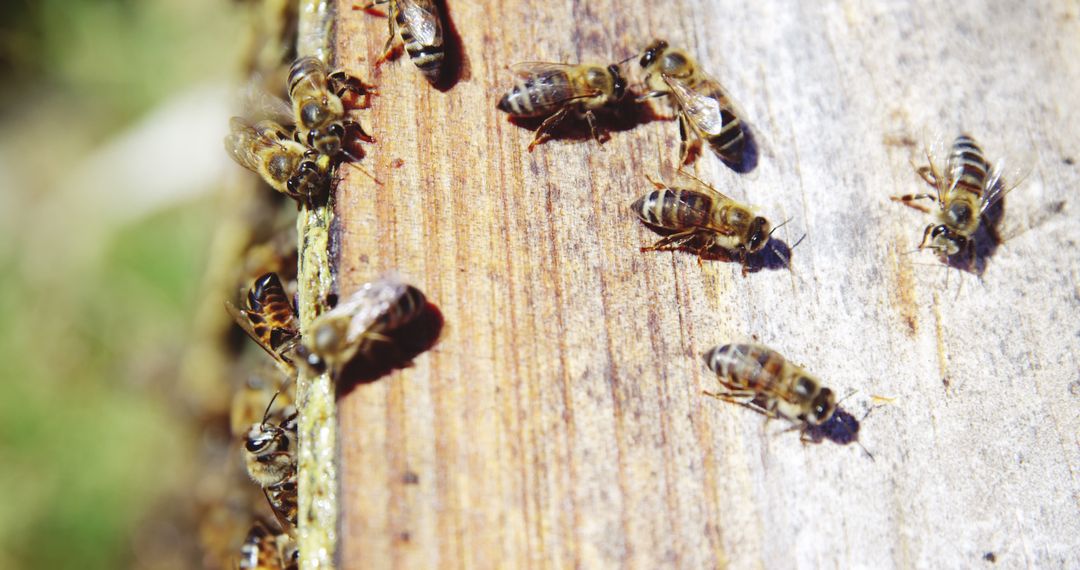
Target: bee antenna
x,y
866,451
366,173
632,56
849,394
784,223
798,242
266,414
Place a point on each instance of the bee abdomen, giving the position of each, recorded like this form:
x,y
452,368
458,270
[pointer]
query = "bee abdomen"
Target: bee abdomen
x,y
672,208
303,69
535,95
427,57
969,167
749,366
404,309
730,142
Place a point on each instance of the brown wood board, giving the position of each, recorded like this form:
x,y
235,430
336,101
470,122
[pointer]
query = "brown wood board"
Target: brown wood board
x,y
559,422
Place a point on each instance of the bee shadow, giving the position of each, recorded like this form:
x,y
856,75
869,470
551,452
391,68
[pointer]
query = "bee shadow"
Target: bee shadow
x,y
984,242
455,66
623,116
842,429
403,345
774,256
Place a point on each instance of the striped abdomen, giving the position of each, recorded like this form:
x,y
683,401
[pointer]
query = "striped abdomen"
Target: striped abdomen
x,y
746,366
537,95
306,70
967,167
405,309
420,29
270,312
674,208
724,133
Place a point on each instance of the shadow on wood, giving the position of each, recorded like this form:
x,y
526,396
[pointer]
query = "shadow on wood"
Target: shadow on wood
x,y
403,345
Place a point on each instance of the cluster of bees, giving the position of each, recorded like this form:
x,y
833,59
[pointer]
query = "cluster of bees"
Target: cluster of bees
x,y
296,143
698,218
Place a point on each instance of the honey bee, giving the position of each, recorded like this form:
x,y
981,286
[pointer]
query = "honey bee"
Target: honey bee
x,y
266,148
706,214
361,320
964,190
263,549
270,320
419,27
553,90
282,497
270,459
320,112
270,450
704,108
760,378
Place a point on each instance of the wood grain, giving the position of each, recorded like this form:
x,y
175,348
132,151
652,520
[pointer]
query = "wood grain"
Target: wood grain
x,y
559,422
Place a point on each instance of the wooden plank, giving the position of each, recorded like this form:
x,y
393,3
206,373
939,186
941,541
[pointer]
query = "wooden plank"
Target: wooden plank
x,y
560,423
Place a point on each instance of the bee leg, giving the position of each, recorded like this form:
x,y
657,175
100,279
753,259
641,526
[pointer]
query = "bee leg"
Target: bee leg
x,y
389,48
672,241
925,234
370,7
684,149
591,118
344,83
650,95
909,201
358,131
548,124
656,183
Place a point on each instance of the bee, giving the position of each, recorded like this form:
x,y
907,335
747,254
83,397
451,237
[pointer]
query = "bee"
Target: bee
x,y
266,148
263,549
361,320
553,90
964,191
318,108
706,214
704,109
270,320
283,499
270,458
270,450
419,26
761,379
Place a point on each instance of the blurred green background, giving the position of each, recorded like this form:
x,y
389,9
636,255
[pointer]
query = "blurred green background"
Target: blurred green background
x,y
111,118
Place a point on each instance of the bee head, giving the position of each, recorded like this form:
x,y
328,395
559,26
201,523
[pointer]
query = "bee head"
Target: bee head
x,y
652,52
759,234
946,241
260,439
617,82
822,407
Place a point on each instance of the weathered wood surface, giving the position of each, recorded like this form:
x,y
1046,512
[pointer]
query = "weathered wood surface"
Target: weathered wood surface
x,y
560,423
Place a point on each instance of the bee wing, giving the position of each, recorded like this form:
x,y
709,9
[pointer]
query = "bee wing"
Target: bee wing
x,y
240,143
527,68
1001,180
423,19
700,184
703,108
257,104
370,302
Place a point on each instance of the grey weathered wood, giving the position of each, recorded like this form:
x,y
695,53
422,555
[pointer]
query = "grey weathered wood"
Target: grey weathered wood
x,y
559,423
